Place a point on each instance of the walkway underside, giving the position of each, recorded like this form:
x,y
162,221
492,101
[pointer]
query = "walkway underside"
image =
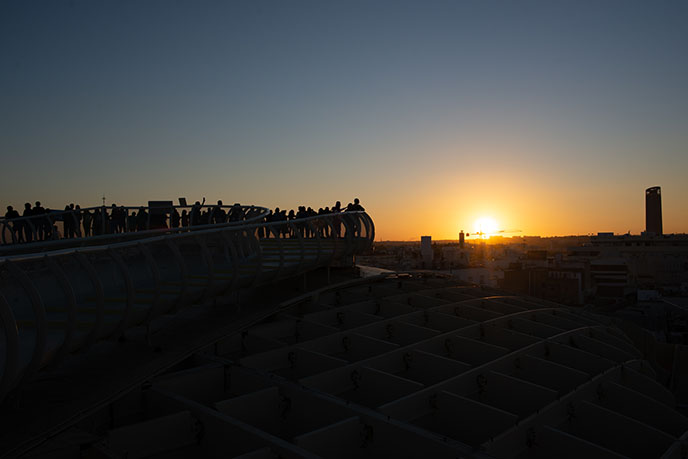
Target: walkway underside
x,y
400,367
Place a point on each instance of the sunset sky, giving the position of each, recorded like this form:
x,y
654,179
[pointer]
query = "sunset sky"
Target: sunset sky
x,y
551,117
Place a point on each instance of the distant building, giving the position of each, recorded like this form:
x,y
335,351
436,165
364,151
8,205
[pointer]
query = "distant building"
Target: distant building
x,y
426,250
611,277
456,256
653,210
564,284
625,263
536,258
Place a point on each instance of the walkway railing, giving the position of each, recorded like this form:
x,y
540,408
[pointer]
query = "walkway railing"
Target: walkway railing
x,y
118,221
63,301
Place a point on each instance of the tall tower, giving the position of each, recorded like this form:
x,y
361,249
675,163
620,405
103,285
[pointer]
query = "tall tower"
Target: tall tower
x,y
653,210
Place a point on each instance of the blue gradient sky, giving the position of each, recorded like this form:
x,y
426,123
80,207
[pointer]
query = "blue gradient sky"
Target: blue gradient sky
x,y
551,117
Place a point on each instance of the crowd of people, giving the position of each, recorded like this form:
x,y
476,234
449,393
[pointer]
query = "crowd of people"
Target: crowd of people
x,y
309,230
37,223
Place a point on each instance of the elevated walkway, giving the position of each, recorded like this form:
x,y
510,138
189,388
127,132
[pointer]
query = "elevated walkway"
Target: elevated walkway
x,y
58,302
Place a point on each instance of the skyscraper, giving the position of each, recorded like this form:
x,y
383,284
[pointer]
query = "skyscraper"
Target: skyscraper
x,y
653,210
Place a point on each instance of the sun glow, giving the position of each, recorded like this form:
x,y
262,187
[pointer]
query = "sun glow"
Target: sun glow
x,y
485,227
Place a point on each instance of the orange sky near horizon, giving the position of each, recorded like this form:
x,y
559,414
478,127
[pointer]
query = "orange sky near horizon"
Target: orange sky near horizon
x,y
516,184
543,208
534,211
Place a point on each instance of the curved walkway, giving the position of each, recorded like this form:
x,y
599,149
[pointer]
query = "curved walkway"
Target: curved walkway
x,y
63,301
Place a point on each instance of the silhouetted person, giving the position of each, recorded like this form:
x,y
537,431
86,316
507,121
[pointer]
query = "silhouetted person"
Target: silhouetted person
x,y
262,230
337,220
108,228
106,225
218,214
123,218
117,219
49,225
73,220
78,216
131,222
87,219
290,229
356,206
312,226
68,221
356,222
142,219
28,224
11,213
174,218
98,222
195,213
39,222
236,213
160,220
300,226
284,229
322,226
16,228
328,227
185,218
273,218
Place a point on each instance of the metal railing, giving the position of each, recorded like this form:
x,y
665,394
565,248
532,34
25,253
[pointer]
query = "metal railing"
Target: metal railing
x,y
55,303
98,224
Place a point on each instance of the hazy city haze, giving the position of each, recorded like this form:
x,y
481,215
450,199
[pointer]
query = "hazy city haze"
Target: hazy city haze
x,y
549,117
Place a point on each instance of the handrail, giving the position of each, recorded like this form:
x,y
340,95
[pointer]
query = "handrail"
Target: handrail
x,y
55,212
43,224
189,231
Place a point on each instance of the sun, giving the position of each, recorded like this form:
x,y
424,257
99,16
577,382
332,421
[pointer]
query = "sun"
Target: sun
x,y
485,227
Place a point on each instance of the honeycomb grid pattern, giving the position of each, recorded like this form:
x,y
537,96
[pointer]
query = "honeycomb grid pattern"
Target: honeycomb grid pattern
x,y
410,368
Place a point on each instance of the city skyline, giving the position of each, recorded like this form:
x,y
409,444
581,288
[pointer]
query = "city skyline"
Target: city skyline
x,y
549,118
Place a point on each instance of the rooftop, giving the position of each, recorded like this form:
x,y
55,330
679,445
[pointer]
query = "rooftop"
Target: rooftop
x,y
397,365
